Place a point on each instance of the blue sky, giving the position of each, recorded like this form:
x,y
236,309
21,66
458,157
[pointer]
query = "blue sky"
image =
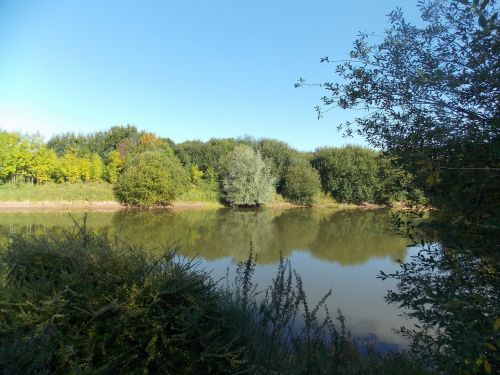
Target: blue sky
x,y
182,69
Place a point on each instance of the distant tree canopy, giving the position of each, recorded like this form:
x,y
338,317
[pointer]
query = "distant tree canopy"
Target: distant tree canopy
x,y
355,174
246,180
151,178
71,158
101,142
205,155
349,174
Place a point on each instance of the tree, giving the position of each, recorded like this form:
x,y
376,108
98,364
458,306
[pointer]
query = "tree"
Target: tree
x,y
150,179
431,96
8,154
279,155
96,167
113,167
44,165
349,174
247,180
70,167
102,142
301,182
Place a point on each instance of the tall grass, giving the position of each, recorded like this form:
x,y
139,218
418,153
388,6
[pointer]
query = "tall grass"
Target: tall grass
x,y
75,302
78,191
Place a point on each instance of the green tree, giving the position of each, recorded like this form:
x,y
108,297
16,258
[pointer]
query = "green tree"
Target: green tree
x,y
44,165
8,155
195,174
113,167
301,182
432,95
70,167
349,173
102,142
206,155
247,180
151,179
279,156
85,167
96,167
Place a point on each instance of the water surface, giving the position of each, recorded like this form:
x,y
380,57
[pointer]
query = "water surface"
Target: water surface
x,y
342,250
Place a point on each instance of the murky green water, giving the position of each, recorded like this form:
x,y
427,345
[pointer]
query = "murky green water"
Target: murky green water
x,y
342,250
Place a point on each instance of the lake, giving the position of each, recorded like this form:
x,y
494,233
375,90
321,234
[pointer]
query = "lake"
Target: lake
x,y
341,250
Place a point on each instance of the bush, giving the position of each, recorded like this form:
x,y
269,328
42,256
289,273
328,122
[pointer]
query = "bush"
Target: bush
x,y
301,182
279,155
247,179
151,178
77,303
349,174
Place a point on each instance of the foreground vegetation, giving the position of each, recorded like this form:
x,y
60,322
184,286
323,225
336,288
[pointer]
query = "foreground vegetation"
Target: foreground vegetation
x,y
74,302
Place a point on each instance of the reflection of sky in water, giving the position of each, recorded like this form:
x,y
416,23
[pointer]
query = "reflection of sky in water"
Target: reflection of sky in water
x,y
340,250
356,291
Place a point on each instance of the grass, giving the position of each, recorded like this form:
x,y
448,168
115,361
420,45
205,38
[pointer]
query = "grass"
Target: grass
x,y
103,192
203,193
92,191
75,302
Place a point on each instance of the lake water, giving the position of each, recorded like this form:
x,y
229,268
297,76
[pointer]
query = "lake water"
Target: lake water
x,y
341,250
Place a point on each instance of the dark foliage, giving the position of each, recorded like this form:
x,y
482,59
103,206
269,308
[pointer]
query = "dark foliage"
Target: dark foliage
x,y
432,97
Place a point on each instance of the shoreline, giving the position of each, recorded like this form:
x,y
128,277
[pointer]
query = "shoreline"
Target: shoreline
x,y
13,206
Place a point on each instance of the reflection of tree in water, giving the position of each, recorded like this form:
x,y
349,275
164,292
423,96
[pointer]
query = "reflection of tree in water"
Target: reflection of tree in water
x,y
35,222
346,237
210,233
355,237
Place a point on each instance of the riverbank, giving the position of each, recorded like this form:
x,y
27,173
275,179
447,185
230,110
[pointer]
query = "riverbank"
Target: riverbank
x,y
98,196
12,206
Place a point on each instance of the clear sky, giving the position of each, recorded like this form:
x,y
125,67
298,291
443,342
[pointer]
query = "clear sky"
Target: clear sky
x,y
183,69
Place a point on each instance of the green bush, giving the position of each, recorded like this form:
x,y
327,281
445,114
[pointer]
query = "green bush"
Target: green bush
x,y
349,174
247,180
301,182
77,303
279,155
151,178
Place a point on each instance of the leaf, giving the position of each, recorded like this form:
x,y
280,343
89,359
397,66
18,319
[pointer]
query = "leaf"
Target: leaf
x,y
487,366
490,346
496,326
482,21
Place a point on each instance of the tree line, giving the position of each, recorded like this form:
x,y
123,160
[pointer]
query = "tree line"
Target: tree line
x,y
148,170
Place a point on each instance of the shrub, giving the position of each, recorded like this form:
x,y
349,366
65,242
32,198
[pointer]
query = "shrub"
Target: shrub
x,y
349,174
279,155
151,178
247,179
301,182
77,303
